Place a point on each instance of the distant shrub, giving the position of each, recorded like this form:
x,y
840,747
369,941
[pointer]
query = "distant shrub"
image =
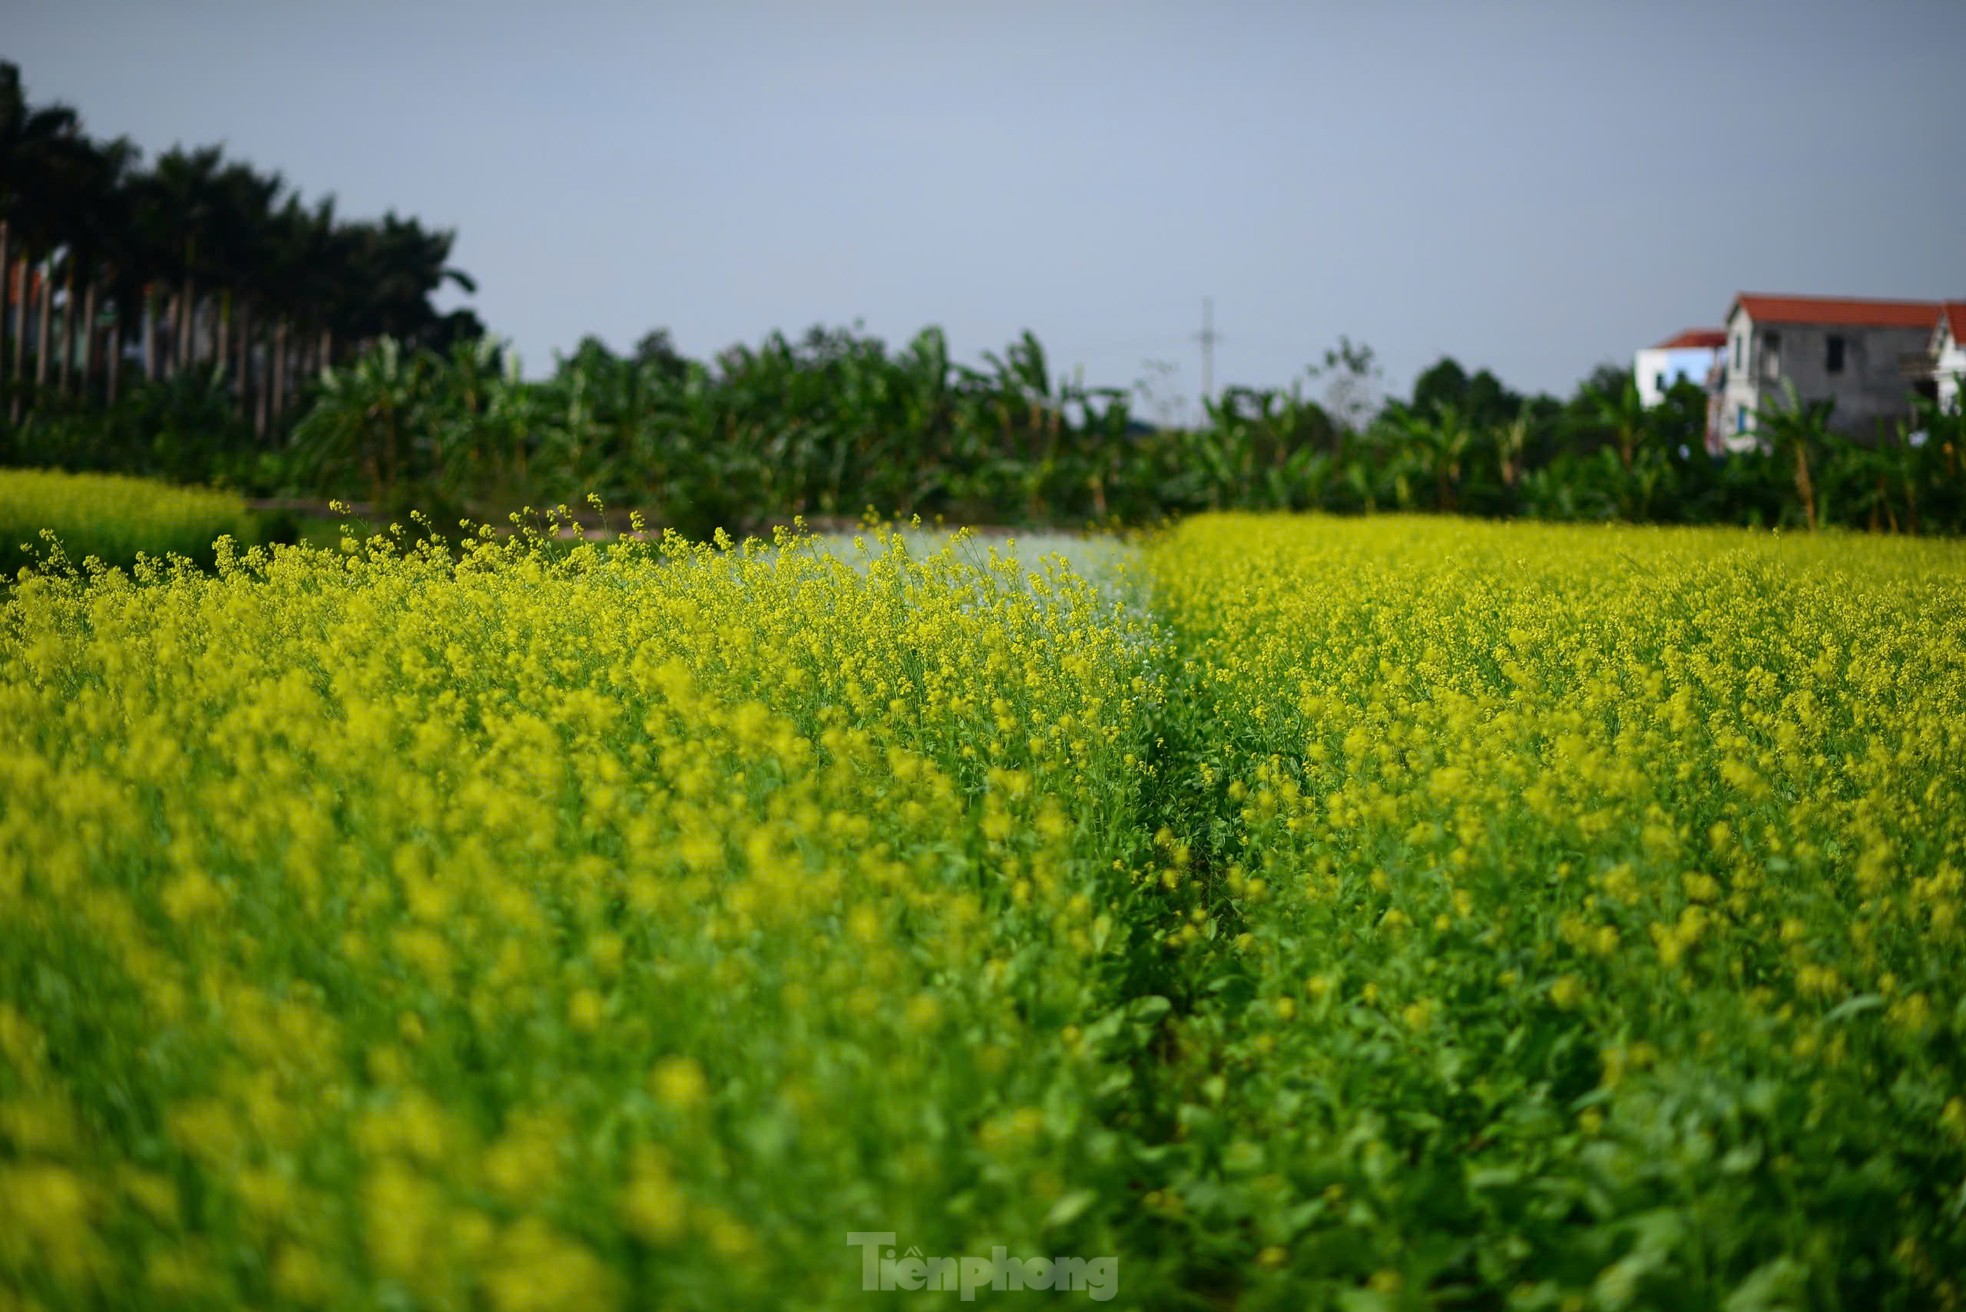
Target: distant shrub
x,y
186,429
112,517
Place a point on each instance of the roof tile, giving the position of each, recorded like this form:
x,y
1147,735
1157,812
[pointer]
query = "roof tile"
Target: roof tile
x,y
1839,310
1955,312
1713,338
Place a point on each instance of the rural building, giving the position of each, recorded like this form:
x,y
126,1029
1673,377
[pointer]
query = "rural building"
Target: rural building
x,y
1949,354
1863,354
1683,357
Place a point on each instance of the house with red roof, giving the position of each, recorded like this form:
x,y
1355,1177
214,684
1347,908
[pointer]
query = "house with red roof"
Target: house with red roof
x,y
1687,356
1949,354
1865,355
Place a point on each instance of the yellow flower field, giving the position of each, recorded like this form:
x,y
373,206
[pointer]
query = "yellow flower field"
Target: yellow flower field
x,y
531,931
1331,913
1586,911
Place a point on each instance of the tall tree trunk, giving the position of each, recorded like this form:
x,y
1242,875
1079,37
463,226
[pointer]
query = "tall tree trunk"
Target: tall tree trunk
x,y
220,356
90,336
18,374
242,390
21,290
22,294
279,375
170,344
188,314
262,417
44,331
1805,489
6,296
67,324
115,356
327,348
149,333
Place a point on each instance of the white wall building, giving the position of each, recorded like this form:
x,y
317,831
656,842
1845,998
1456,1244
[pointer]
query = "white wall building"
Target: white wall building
x,y
1862,354
1685,357
1949,353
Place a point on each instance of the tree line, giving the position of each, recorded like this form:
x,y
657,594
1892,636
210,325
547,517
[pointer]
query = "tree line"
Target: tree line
x,y
837,422
281,350
190,263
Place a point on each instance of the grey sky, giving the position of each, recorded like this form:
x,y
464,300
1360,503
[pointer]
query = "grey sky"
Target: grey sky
x,y
1534,187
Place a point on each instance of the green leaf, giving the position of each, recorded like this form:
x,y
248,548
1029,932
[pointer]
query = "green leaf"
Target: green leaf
x,y
1771,1287
1854,1007
1069,1208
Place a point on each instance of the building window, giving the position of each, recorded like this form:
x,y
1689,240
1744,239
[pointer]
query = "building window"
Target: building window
x,y
1834,360
1740,419
1663,385
1737,352
1771,355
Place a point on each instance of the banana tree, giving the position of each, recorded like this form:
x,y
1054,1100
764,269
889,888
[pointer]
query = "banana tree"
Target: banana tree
x,y
1428,448
483,416
368,417
1798,434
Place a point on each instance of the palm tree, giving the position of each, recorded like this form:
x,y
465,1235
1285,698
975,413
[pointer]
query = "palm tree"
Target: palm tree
x,y
183,193
395,267
36,145
367,419
94,225
130,267
63,194
237,267
240,221
308,261
199,256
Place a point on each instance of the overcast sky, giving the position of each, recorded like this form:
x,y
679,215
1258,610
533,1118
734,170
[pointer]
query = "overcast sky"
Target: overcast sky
x,y
1533,187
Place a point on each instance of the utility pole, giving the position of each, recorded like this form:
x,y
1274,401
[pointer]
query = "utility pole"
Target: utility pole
x,y
1207,349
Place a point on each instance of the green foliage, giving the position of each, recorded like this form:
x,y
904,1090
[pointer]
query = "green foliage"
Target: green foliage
x,y
195,269
111,518
834,422
185,428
